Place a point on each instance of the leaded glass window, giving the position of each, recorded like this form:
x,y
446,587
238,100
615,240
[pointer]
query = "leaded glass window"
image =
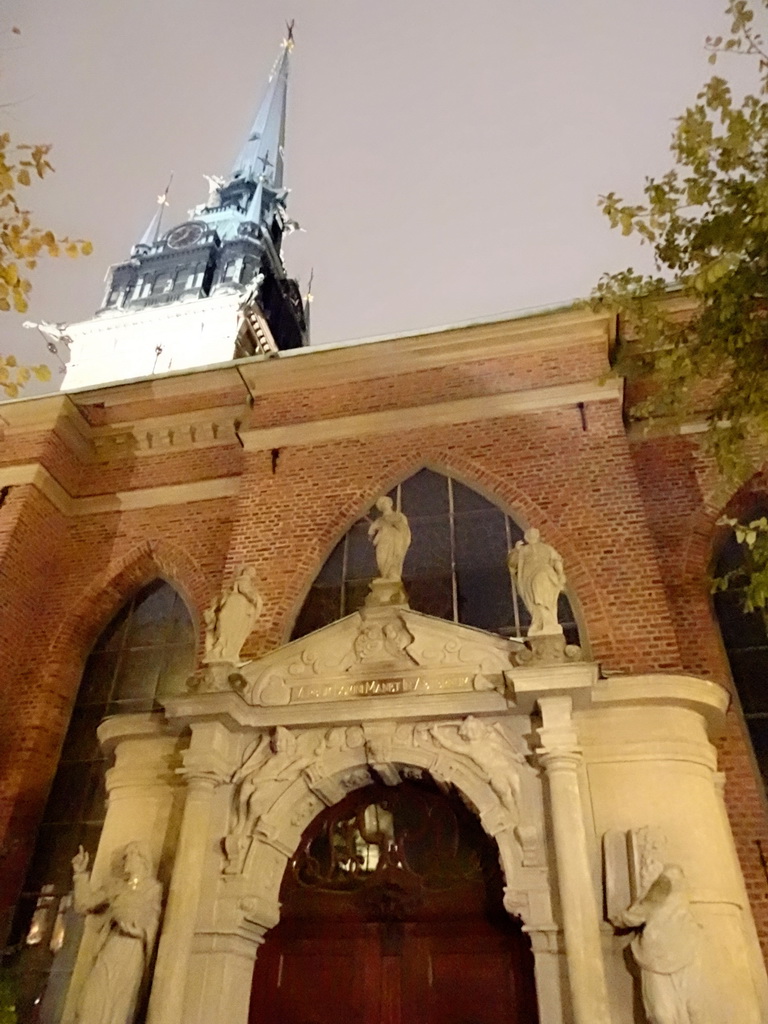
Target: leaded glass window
x,y
147,650
456,566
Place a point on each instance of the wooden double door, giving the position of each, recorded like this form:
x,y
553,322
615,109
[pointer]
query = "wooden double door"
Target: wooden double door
x,y
451,972
392,913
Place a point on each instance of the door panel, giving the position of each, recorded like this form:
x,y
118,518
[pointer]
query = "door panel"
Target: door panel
x,y
318,981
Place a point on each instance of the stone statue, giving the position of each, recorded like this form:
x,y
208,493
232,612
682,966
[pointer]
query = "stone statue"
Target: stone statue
x,y
391,537
128,910
492,753
667,950
538,572
270,763
230,620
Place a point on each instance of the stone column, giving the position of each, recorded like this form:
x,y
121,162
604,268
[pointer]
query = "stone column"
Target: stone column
x,y
206,764
141,787
561,760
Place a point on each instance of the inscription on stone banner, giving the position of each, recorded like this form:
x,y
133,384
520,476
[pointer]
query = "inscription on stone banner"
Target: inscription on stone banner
x,y
347,690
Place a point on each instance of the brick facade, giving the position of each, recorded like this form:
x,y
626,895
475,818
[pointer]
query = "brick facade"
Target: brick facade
x,y
181,477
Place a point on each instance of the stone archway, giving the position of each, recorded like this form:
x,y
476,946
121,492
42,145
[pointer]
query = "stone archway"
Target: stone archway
x,y
303,771
394,892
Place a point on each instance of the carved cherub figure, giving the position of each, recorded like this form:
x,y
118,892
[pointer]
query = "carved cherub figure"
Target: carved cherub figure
x,y
492,753
273,761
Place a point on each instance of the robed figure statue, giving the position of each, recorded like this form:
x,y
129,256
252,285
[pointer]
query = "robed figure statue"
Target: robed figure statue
x,y
127,908
391,537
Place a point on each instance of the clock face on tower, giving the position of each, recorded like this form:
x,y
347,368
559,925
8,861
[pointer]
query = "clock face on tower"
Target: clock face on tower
x,y
185,235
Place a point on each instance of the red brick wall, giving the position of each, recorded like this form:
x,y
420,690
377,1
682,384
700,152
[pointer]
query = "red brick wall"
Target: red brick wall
x,y
630,520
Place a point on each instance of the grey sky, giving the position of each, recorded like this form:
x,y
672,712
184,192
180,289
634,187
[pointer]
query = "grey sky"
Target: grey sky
x,y
444,156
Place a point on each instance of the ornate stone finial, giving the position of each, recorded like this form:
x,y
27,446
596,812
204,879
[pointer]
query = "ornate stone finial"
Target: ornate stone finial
x,y
537,570
129,906
231,618
391,537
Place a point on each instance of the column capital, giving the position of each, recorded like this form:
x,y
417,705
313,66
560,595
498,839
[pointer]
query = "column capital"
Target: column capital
x,y
559,759
202,769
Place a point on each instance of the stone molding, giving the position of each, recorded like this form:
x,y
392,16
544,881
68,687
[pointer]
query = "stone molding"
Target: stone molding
x,y
121,501
461,410
316,767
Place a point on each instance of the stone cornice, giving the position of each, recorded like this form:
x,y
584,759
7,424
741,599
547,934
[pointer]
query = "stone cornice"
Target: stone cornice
x,y
120,501
461,410
228,384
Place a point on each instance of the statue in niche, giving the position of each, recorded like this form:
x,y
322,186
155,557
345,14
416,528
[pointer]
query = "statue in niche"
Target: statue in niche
x,y
666,949
230,619
537,570
491,751
391,536
127,908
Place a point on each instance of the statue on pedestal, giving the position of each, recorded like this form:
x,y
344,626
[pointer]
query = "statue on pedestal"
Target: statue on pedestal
x,y
391,536
667,950
230,619
537,570
128,910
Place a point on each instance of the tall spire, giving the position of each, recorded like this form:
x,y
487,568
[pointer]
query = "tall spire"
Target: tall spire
x,y
261,158
152,233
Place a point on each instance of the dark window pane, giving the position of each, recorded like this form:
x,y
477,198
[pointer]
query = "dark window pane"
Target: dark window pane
x,y
98,677
432,595
758,730
424,494
430,550
112,637
137,674
361,556
176,670
481,539
750,673
485,598
467,500
323,605
81,743
330,574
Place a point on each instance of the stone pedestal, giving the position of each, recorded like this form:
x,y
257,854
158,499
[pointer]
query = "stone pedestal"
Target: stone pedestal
x,y
384,593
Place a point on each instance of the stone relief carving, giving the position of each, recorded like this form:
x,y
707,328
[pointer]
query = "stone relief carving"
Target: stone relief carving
x,y
537,569
376,651
127,909
492,753
231,618
269,763
667,949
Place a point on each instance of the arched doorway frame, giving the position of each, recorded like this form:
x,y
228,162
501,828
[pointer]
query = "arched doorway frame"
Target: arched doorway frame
x,y
247,905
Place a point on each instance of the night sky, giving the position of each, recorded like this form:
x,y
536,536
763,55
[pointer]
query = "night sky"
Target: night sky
x,y
444,157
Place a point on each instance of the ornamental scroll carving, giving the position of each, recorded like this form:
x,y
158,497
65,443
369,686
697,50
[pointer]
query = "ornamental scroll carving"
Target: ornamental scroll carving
x,y
378,651
331,762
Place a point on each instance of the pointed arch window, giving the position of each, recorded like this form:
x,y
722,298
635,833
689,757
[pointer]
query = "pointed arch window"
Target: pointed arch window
x,y
745,637
146,651
456,566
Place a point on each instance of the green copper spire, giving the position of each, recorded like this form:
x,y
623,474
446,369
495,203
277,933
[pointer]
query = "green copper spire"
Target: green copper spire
x,y
261,158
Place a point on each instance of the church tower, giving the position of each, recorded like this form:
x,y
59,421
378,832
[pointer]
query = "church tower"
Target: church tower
x,y
210,289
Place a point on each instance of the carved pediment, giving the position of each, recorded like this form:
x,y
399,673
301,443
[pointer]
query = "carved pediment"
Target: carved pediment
x,y
378,651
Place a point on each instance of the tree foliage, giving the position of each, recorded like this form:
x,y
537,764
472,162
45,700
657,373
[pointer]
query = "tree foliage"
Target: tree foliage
x,y
707,223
